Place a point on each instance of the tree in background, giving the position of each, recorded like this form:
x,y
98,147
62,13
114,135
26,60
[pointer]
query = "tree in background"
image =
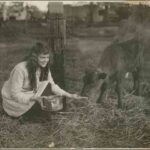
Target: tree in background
x,y
91,13
141,13
2,5
34,13
123,12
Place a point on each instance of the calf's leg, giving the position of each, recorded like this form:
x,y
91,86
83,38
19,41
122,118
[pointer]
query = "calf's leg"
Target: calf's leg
x,y
136,80
102,90
118,91
83,89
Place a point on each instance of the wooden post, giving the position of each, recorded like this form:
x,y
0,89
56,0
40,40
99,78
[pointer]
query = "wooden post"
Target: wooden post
x,y
57,38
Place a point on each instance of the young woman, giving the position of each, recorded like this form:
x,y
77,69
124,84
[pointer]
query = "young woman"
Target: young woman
x,y
19,92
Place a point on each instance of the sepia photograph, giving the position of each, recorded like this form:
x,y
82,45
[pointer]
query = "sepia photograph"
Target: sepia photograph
x,y
74,74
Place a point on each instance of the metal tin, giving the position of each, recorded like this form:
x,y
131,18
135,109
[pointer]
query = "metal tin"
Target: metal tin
x,y
52,103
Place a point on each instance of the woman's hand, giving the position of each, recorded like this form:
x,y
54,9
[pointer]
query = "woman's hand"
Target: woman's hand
x,y
36,98
76,96
39,100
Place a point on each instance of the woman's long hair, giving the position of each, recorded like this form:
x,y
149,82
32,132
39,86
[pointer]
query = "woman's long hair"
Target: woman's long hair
x,y
32,64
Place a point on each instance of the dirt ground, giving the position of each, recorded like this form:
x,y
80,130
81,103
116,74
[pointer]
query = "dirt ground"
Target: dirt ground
x,y
85,124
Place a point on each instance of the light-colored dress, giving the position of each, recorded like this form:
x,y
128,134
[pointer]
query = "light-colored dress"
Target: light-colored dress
x,y
16,92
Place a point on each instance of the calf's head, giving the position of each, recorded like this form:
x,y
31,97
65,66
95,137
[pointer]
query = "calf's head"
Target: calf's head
x,y
91,78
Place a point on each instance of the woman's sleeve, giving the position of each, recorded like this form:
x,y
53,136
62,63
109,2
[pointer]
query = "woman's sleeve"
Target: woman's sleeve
x,y
56,89
16,87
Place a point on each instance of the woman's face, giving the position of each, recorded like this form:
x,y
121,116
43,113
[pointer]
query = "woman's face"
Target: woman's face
x,y
43,59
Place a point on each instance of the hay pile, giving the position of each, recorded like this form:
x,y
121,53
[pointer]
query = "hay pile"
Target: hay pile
x,y
89,125
85,124
13,133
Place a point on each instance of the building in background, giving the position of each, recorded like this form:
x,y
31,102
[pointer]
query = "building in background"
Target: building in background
x,y
15,11
84,12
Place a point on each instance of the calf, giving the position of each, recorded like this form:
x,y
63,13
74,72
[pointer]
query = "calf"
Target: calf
x,y
116,60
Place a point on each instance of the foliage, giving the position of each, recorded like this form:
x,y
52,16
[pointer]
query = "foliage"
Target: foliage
x,y
34,13
141,13
123,12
